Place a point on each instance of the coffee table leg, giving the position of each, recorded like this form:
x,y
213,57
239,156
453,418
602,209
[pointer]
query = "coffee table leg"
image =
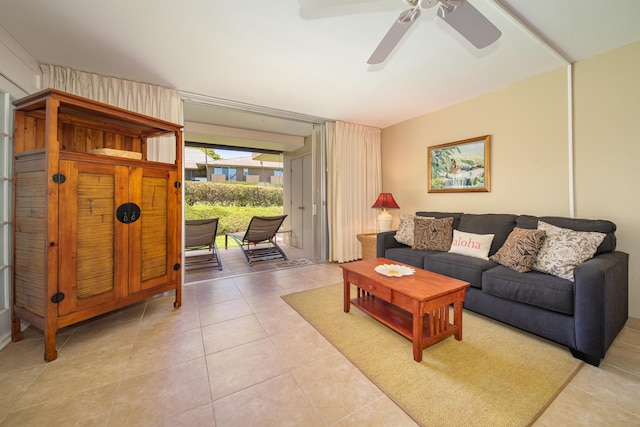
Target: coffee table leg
x,y
418,329
347,295
457,319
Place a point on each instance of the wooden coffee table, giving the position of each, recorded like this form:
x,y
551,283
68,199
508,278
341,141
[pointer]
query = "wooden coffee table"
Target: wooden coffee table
x,y
415,306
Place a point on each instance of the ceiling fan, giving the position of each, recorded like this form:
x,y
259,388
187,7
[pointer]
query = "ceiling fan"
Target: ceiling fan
x,y
460,14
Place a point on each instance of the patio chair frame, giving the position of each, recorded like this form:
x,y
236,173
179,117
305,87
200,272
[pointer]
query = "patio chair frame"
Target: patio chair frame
x,y
200,234
261,230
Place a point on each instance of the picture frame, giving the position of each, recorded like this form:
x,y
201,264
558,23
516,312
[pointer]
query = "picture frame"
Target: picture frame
x,y
460,166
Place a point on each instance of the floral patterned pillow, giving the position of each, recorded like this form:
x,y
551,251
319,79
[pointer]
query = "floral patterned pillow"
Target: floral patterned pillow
x,y
520,250
564,249
405,229
434,234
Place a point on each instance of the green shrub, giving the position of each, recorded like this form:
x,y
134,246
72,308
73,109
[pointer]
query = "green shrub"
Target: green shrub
x,y
231,219
231,194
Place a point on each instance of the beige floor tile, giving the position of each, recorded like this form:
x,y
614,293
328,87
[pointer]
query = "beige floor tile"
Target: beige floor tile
x,y
131,313
15,384
201,416
633,323
574,407
162,347
293,279
623,359
335,387
68,376
102,337
280,319
303,345
89,408
609,388
249,288
161,312
153,397
380,413
23,354
266,301
256,280
223,311
208,293
243,366
276,402
224,335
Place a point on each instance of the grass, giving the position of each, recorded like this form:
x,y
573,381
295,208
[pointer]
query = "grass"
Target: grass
x,y
231,219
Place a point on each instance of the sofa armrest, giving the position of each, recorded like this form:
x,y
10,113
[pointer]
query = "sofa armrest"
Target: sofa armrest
x,y
601,302
386,240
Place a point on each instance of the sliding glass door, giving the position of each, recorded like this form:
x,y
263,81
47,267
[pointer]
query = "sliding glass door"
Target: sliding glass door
x,y
6,153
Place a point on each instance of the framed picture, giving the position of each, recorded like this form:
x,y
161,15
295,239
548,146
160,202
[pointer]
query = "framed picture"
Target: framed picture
x,y
460,166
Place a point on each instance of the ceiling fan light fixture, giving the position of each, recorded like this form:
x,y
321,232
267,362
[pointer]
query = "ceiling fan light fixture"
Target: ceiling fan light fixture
x,y
409,15
428,4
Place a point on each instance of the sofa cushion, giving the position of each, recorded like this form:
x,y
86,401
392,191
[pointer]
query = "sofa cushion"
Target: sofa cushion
x,y
533,288
407,255
498,224
458,266
520,250
455,215
577,224
433,234
564,249
471,244
404,234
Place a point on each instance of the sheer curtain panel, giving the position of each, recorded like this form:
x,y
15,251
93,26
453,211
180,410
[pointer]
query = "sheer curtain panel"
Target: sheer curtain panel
x,y
143,98
354,182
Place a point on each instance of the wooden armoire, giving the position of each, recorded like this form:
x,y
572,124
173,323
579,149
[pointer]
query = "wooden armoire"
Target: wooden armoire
x,y
97,225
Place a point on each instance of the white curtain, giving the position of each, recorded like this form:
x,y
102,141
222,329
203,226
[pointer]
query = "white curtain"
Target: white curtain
x,y
143,98
354,182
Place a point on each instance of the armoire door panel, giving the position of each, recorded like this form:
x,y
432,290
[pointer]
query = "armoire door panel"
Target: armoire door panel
x,y
150,249
90,235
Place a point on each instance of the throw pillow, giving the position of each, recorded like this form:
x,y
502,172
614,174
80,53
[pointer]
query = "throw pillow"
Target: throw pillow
x,y
564,249
520,250
471,244
405,229
433,234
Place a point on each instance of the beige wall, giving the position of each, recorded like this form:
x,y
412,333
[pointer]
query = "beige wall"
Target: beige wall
x,y
529,123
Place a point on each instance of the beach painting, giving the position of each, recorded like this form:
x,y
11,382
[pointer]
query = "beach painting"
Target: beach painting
x,y
460,166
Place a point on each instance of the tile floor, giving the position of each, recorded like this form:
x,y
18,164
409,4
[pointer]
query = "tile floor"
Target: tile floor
x,y
236,354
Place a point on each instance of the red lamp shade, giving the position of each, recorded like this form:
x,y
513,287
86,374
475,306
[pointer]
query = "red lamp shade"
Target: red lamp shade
x,y
385,200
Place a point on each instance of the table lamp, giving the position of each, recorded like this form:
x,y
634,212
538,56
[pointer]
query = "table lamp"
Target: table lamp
x,y
385,201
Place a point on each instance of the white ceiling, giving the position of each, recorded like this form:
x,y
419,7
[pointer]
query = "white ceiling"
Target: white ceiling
x,y
281,55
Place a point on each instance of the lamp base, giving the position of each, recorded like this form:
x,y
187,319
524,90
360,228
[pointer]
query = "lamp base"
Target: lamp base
x,y
384,221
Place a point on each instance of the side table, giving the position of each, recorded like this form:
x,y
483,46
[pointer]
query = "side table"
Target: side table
x,y
368,243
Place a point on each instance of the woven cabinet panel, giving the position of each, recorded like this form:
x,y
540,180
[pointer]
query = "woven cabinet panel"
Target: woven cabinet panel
x,y
30,238
154,227
96,216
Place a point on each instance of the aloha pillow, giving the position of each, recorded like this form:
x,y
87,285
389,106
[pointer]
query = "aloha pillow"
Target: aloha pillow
x,y
520,250
471,244
564,249
405,229
433,234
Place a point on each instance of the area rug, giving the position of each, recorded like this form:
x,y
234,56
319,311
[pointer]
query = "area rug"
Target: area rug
x,y
496,376
292,263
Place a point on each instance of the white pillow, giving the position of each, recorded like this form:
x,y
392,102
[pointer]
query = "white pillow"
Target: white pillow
x,y
405,229
470,244
564,249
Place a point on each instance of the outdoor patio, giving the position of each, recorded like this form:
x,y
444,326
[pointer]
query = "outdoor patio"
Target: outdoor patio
x,y
234,263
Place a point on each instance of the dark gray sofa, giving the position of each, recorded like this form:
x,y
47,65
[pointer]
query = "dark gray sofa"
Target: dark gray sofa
x,y
585,315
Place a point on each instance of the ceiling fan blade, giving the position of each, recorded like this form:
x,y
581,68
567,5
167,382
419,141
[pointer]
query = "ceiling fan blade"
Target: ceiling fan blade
x,y
394,35
470,23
